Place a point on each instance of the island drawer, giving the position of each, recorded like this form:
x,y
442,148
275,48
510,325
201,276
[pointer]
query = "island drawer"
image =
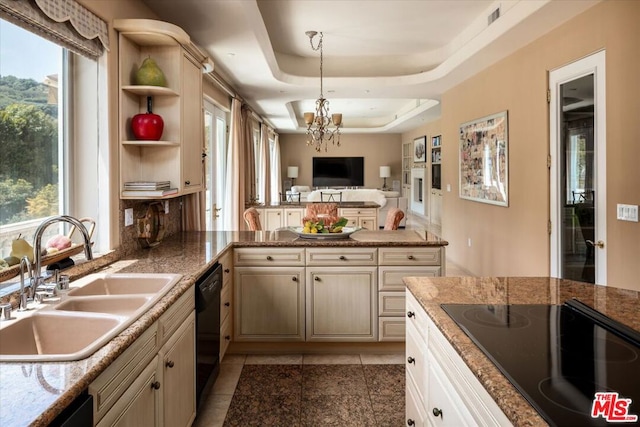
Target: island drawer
x,y
391,329
342,256
391,303
263,257
410,256
390,277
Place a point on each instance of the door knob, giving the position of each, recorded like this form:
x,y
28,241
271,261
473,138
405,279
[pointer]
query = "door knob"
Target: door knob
x,y
599,243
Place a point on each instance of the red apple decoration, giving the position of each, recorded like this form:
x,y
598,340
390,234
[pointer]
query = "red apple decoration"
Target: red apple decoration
x,y
147,126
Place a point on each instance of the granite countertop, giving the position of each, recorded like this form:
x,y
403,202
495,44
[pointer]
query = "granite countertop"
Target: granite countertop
x,y
34,393
302,205
619,304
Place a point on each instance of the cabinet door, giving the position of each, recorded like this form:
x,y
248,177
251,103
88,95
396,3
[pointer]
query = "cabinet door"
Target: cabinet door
x,y
293,217
342,304
436,207
192,126
140,405
269,303
179,370
368,222
272,219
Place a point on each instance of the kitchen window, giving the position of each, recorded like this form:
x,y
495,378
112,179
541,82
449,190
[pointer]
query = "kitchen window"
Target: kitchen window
x,y
53,137
33,134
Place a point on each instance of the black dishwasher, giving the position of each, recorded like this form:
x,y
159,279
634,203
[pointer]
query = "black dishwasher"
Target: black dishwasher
x,y
207,290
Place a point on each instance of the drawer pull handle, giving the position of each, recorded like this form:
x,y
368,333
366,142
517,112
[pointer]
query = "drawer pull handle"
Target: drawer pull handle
x,y
342,257
411,314
227,304
187,183
155,385
437,412
269,258
227,337
170,364
226,270
317,279
294,278
410,257
410,422
411,360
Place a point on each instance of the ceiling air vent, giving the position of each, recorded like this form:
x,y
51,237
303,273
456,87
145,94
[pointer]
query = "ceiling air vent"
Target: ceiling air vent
x,y
493,16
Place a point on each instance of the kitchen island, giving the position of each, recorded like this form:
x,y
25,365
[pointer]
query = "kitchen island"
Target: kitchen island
x,y
619,304
35,393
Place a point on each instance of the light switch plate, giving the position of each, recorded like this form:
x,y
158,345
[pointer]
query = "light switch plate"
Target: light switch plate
x,y
128,217
627,212
166,206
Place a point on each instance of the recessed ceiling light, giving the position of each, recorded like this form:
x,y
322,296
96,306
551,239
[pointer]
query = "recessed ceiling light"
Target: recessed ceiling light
x,y
367,91
231,54
331,91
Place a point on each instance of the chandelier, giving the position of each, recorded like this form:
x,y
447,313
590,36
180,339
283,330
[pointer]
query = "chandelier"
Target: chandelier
x,y
318,123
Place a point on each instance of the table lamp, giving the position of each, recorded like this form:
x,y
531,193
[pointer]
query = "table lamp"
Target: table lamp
x,y
385,172
292,172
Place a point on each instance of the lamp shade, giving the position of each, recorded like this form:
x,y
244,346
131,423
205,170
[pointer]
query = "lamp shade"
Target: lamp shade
x,y
385,171
292,172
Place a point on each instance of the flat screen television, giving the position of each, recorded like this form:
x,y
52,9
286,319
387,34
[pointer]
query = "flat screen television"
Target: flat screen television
x,y
338,171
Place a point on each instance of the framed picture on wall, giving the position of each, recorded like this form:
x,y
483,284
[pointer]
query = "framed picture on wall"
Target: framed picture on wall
x,y
484,161
420,149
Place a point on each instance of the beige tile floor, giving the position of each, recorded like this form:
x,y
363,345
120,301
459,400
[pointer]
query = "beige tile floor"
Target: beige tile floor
x,y
215,407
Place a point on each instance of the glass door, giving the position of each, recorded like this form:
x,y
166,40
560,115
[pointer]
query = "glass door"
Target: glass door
x,y
215,130
578,177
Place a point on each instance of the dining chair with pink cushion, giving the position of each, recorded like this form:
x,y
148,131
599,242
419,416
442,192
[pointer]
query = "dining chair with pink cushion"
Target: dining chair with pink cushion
x,y
252,219
393,219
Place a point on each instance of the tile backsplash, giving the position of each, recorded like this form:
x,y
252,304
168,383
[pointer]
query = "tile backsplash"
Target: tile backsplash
x,y
129,235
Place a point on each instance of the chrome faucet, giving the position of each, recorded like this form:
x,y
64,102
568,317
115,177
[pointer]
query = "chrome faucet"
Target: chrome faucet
x,y
24,297
37,247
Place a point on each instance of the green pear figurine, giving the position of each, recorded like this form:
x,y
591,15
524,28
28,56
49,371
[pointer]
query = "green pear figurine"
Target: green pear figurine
x,y
149,74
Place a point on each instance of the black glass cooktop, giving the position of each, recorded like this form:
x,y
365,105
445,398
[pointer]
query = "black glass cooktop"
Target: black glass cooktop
x,y
558,357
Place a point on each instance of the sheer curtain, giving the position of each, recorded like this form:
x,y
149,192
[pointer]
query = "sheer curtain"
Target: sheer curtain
x,y
250,156
264,169
234,195
276,178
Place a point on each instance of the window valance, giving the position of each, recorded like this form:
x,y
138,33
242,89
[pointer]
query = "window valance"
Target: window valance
x,y
65,22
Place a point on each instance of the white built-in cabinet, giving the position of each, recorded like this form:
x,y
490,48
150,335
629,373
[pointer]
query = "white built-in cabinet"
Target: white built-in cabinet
x,y
441,390
178,156
435,207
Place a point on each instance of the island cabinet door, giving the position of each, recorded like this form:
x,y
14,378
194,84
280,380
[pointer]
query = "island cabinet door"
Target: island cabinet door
x,y
293,217
269,303
342,304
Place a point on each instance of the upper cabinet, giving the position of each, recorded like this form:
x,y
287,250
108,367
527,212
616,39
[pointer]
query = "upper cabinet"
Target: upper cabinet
x,y
177,156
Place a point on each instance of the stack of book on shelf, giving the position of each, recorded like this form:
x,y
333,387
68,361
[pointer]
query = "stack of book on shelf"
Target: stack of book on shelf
x,y
148,189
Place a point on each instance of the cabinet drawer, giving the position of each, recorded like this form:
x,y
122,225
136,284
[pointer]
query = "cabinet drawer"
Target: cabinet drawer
x,y
415,415
175,315
225,303
226,261
416,361
342,256
116,379
391,277
391,329
443,397
416,315
267,257
410,256
391,304
351,212
225,336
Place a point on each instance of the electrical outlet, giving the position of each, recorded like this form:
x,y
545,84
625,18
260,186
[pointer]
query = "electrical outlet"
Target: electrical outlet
x,y
128,217
449,188
166,206
469,242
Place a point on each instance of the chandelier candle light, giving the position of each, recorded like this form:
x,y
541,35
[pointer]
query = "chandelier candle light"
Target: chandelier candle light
x,y
318,123
385,172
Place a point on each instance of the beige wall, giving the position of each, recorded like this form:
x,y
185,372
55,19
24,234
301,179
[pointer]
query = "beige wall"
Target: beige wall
x,y
377,150
514,240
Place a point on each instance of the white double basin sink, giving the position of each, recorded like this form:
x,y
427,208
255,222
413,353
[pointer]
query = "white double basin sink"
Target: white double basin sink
x,y
96,309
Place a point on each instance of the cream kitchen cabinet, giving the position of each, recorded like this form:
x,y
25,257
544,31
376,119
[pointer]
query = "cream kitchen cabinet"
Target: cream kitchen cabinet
x,y
342,294
274,218
441,389
226,302
394,264
365,217
177,156
268,294
139,388
293,217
